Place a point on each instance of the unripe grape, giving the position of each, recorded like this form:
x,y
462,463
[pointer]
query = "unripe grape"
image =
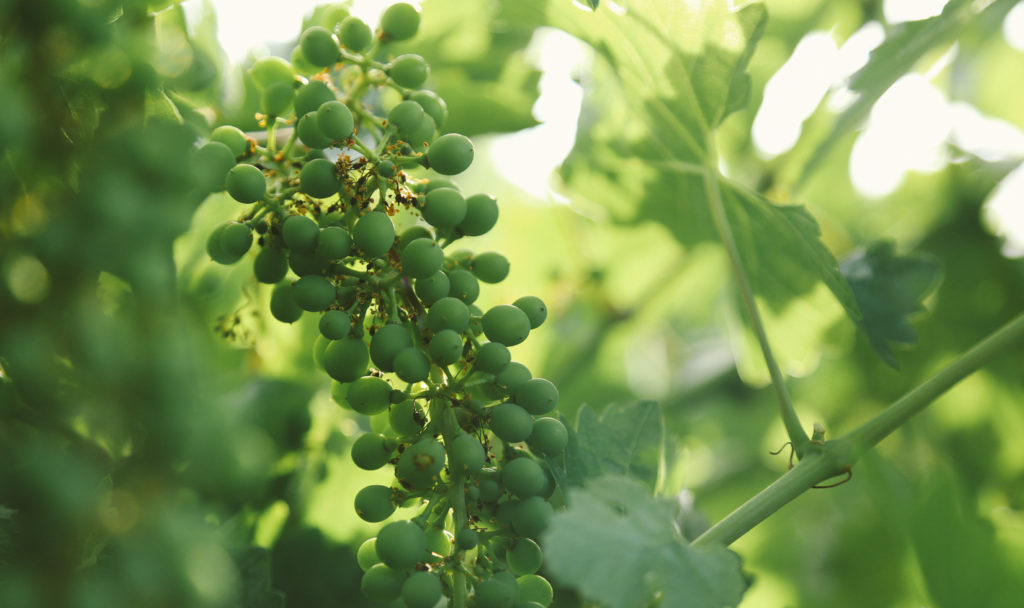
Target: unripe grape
x,y
432,288
333,243
366,555
387,342
373,503
490,267
444,208
510,422
277,98
304,264
412,364
369,395
432,104
445,347
318,179
421,590
534,588
481,215
463,285
400,21
335,324
409,71
513,376
313,292
534,308
532,516
387,169
467,538
421,461
372,451
549,437
319,46
451,154
236,239
506,324
492,357
421,258
347,359
466,454
355,34
374,234
300,233
232,137
524,556
214,248
523,477
301,64
411,234
270,265
246,184
210,165
402,418
335,120
283,306
382,584
421,137
493,593
406,118
537,396
311,96
401,544
448,313
490,490
270,70
309,133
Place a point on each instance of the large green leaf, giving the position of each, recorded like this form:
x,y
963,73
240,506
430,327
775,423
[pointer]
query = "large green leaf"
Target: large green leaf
x,y
621,548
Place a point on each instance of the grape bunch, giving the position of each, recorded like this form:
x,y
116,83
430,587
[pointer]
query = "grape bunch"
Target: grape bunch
x,y
464,428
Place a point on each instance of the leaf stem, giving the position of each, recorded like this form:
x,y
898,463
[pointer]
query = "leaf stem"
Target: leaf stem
x,y
797,434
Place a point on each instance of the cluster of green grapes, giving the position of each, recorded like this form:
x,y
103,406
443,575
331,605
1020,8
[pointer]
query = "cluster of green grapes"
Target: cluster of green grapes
x,y
463,426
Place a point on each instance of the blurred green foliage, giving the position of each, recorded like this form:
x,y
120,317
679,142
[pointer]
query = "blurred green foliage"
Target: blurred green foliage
x,y
164,442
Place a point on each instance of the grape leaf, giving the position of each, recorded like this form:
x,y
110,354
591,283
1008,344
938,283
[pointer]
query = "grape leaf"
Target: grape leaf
x,y
620,547
889,288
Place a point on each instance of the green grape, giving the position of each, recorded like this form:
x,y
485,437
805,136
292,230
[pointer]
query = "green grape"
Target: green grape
x,y
313,292
451,154
304,264
334,14
492,357
493,593
372,451
235,239
406,117
534,309
409,71
369,395
490,490
374,234
448,313
403,418
387,342
210,165
412,364
270,70
301,64
382,584
420,463
400,21
373,503
214,248
355,35
440,182
232,137
467,538
411,234
532,516
466,454
366,555
514,375
347,359
549,437
524,556
319,178
463,285
310,134
537,396
401,544
421,590
333,243
277,98
444,208
246,184
534,588
432,104
335,324
422,258
311,96
300,233
432,288
335,120
421,137
510,422
387,169
490,267
523,477
339,390
445,347
270,265
283,306
319,46
506,324
481,215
